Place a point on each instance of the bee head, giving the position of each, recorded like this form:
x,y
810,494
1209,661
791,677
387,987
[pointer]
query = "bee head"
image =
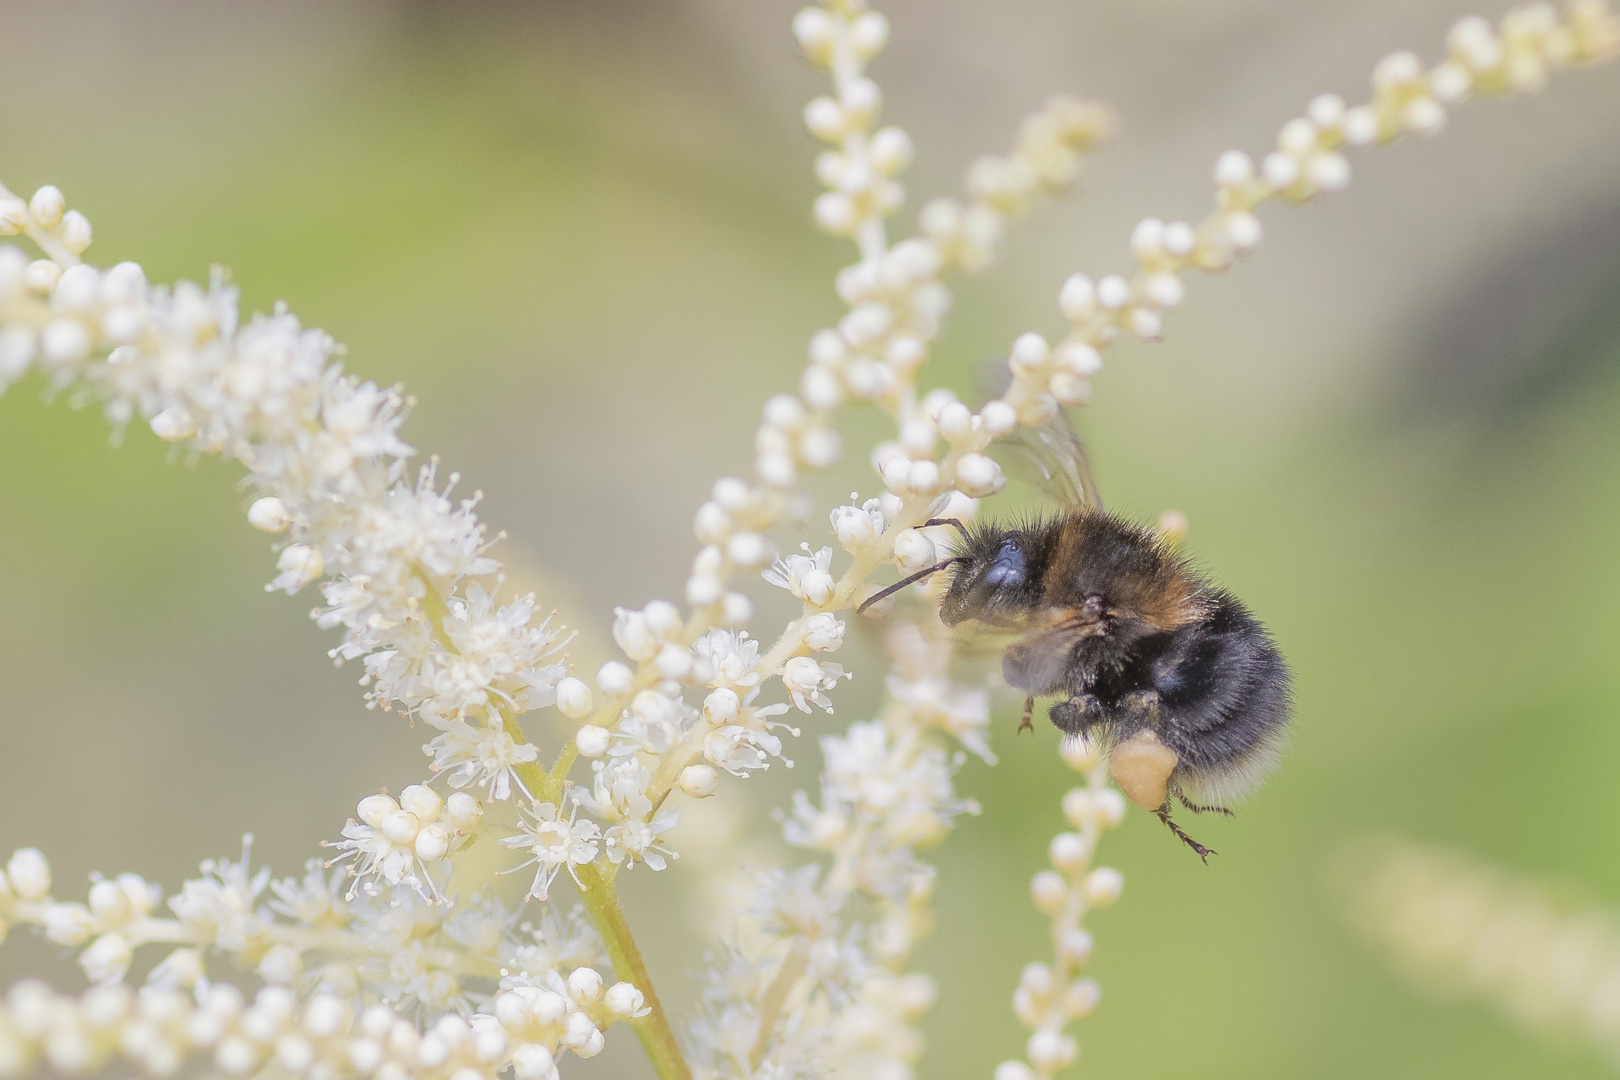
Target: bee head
x,y
996,578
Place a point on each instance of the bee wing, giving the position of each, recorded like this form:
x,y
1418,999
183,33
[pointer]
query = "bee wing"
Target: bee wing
x,y
1058,457
1053,452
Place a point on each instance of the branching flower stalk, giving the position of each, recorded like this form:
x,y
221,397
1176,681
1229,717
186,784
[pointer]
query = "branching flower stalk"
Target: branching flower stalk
x,y
377,968
815,977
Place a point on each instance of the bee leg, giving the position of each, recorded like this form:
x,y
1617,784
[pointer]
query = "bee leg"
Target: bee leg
x,y
1029,710
1077,715
1195,808
1163,814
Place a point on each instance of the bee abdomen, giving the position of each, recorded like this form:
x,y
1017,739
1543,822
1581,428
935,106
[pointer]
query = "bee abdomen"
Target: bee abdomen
x,y
1217,693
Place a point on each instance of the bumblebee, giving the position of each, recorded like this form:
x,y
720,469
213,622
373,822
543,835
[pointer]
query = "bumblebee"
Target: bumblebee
x,y
1172,676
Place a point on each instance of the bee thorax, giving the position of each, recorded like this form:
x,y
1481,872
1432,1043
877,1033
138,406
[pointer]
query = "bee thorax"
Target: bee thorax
x,y
1141,766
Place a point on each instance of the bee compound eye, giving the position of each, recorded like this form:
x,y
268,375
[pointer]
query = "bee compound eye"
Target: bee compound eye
x,y
1141,766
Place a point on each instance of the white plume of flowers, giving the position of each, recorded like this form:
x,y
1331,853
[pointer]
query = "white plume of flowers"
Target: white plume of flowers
x,y
1462,928
391,972
816,979
376,986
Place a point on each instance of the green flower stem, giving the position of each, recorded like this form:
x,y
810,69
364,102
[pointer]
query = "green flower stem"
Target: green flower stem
x,y
595,883
602,901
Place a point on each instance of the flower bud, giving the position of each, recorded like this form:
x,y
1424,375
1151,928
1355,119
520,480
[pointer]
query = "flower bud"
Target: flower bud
x,y
421,800
13,216
700,781
979,476
1103,886
76,232
29,873
721,706
46,207
108,902
823,632
574,698
433,842
592,741
374,809
1049,892
401,827
623,999
1069,851
463,811
269,514
585,985
913,552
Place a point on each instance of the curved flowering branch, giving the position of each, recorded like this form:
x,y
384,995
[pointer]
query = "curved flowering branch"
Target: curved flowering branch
x,y
1050,995
409,958
1453,924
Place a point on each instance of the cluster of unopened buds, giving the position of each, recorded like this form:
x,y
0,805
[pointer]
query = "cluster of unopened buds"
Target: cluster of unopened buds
x,y
396,841
157,1027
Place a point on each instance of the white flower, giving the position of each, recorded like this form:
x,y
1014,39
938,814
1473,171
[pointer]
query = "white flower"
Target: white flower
x,y
618,789
739,750
485,756
481,925
107,959
823,632
553,843
317,900
857,526
806,576
555,941
957,710
299,564
396,842
805,680
634,840
655,721
730,658
222,904
507,649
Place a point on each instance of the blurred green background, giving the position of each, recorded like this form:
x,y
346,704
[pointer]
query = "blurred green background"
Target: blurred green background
x,y
579,233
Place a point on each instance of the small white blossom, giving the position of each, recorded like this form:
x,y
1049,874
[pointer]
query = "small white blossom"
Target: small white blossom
x,y
634,840
730,658
857,526
805,680
823,632
618,789
397,843
806,576
553,842
222,905
484,756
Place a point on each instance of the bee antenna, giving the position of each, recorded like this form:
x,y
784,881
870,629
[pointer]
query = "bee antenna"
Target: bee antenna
x,y
948,521
903,582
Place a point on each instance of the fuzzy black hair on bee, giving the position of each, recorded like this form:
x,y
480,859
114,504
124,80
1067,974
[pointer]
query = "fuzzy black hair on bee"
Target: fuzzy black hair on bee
x,y
1172,676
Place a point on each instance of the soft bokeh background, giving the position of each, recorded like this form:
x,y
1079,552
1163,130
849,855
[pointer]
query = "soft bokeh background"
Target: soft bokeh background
x,y
579,233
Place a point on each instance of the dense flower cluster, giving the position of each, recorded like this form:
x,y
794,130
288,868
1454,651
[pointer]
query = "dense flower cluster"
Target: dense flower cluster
x,y
380,986
384,968
815,979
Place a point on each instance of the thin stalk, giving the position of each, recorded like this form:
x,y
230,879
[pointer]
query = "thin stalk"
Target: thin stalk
x,y
602,902
654,1030
595,884
775,997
